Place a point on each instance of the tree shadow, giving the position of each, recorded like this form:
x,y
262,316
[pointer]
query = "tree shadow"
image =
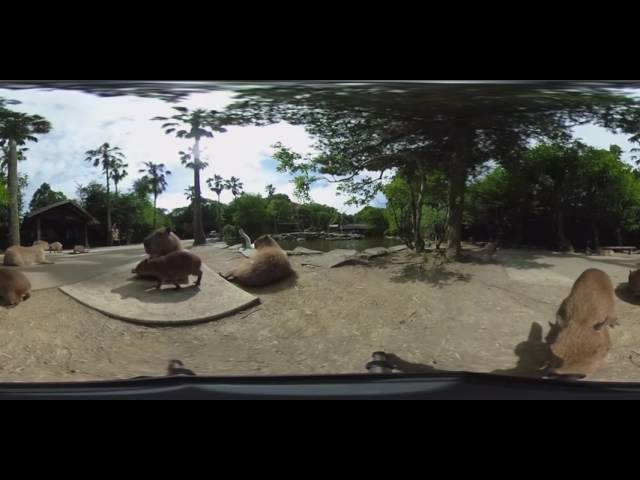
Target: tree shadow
x,y
624,293
518,259
437,276
534,354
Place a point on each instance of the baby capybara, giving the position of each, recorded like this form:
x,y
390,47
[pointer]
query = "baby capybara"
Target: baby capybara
x,y
268,265
584,319
162,242
171,268
14,286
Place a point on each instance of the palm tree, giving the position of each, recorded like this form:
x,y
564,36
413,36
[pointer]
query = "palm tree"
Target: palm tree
x,y
235,185
216,185
156,177
106,157
196,124
118,173
270,189
15,130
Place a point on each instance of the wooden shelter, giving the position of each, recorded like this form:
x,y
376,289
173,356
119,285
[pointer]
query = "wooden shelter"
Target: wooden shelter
x,y
65,222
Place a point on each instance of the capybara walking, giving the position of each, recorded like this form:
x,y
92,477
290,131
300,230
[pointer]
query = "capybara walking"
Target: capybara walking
x,y
171,268
584,319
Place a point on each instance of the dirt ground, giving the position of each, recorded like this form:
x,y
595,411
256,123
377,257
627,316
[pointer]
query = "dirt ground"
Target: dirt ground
x,y
487,316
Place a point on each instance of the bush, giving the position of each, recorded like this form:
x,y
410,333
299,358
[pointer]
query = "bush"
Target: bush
x,y
230,234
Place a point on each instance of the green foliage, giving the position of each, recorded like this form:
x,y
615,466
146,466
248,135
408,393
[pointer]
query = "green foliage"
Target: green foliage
x,y
45,196
249,211
373,216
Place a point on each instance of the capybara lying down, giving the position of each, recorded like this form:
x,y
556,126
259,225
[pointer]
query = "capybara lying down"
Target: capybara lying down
x,y
634,282
584,319
268,265
55,247
17,256
162,242
171,268
14,286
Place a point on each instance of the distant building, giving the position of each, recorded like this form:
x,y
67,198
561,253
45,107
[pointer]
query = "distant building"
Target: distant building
x,y
65,222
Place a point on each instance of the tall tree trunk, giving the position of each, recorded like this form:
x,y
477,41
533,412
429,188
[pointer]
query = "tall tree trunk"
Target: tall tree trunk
x,y
596,237
457,184
14,214
109,232
198,230
562,239
155,198
464,138
619,236
219,222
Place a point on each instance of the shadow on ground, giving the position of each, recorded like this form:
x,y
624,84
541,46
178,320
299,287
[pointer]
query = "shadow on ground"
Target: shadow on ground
x,y
436,275
146,292
624,294
533,354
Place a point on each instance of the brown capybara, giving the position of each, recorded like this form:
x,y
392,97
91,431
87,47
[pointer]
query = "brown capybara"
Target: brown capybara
x,y
14,286
162,242
44,244
268,265
17,256
55,247
584,319
171,268
634,282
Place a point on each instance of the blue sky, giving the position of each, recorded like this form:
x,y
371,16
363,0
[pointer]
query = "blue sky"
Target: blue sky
x,y
83,121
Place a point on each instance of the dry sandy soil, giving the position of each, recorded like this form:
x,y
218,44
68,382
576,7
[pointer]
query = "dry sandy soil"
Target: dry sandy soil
x,y
488,316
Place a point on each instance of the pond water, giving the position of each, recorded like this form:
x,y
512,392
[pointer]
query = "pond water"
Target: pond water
x,y
326,245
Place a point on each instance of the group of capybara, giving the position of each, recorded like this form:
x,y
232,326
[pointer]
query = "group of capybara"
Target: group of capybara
x,y
169,263
579,340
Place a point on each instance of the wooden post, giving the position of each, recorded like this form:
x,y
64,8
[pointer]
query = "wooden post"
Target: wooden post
x,y
38,230
86,234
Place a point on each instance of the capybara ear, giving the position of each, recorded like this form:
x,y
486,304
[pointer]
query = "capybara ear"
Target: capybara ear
x,y
167,230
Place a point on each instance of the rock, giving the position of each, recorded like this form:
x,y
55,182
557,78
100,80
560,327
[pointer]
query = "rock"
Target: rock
x,y
374,252
304,251
397,248
335,258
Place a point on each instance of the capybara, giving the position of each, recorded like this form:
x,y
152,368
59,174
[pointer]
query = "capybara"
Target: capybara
x,y
44,244
162,242
14,286
80,249
584,319
55,247
17,256
634,282
171,268
268,265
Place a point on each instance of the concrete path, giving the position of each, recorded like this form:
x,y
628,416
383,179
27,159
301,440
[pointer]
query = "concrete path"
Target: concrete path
x,y
120,295
544,267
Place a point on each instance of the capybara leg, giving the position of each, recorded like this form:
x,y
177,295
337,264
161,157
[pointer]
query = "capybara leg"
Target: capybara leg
x,y
26,296
199,278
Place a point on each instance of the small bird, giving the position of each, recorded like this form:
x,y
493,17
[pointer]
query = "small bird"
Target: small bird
x,y
176,367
